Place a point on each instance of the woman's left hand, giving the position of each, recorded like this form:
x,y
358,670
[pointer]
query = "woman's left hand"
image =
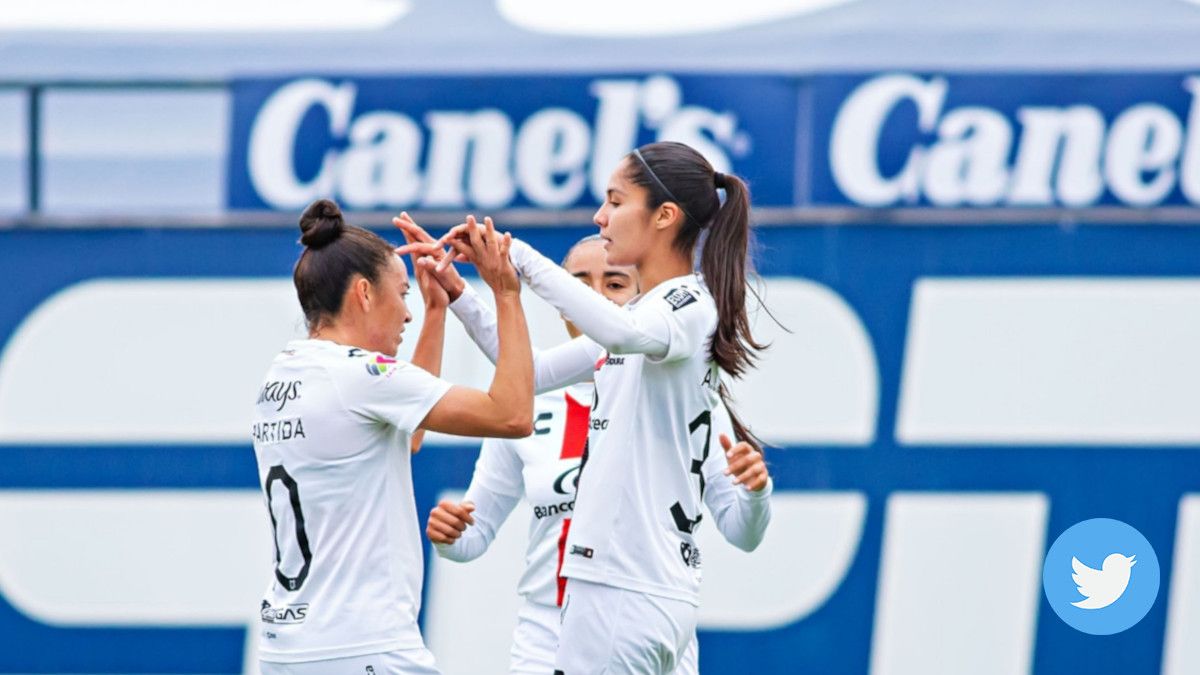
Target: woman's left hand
x,y
746,464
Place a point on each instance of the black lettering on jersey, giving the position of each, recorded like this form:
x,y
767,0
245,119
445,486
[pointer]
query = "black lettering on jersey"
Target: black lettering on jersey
x,y
289,614
583,551
280,392
278,431
562,478
355,352
679,298
614,361
690,554
540,512
711,379
542,417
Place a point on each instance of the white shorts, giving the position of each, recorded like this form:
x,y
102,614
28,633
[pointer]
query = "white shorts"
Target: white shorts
x,y
608,630
400,662
535,639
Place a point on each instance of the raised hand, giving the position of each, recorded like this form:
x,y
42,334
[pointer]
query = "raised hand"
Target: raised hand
x,y
447,521
426,252
486,249
746,464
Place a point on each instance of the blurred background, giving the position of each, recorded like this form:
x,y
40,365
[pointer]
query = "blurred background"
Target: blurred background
x,y
978,219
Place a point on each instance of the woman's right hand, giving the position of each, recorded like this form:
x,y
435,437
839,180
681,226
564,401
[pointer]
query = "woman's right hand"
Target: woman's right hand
x,y
487,250
426,252
447,521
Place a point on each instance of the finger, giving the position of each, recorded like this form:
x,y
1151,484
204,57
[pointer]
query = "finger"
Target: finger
x,y
476,237
490,233
417,247
757,481
445,261
725,442
448,519
441,533
456,232
506,244
742,468
463,514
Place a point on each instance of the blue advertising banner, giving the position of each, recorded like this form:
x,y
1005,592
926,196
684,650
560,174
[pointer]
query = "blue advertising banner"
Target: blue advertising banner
x,y
903,139
880,140
489,142
951,402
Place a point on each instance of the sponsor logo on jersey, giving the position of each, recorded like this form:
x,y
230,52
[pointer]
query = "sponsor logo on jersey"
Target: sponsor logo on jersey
x,y
542,417
277,431
690,554
598,424
614,361
540,512
288,614
679,298
279,392
356,352
382,365
572,474
583,551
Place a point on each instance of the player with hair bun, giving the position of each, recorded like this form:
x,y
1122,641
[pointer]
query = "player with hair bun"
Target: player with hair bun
x,y
333,430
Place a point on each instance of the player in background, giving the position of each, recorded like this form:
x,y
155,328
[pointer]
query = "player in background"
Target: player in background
x,y
543,468
631,556
333,429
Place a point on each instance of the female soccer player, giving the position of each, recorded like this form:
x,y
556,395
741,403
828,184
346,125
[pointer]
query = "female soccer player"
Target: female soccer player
x,y
332,432
542,470
631,556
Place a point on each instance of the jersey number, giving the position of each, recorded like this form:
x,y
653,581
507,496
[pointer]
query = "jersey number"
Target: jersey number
x,y
682,521
278,473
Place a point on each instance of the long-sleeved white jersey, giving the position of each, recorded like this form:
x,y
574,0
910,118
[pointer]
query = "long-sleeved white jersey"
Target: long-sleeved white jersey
x,y
650,428
543,468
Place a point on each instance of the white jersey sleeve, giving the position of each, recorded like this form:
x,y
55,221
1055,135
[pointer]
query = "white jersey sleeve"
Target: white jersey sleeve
x,y
740,515
566,364
496,488
401,395
613,327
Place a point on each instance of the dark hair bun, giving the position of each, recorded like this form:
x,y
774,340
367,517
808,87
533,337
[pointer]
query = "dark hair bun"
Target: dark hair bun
x,y
321,223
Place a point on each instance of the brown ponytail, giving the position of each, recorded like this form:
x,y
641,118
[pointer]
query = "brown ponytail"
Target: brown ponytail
x,y
677,173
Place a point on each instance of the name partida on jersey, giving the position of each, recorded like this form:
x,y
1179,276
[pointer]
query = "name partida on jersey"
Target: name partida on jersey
x,y
278,431
280,392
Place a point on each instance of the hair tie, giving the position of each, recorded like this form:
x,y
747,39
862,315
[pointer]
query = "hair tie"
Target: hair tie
x,y
719,180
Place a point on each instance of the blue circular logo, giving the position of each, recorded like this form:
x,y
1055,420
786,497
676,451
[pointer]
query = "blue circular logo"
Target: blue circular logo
x,y
1101,576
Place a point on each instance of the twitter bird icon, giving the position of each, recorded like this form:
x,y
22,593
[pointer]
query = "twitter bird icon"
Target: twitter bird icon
x,y
1118,547
1101,588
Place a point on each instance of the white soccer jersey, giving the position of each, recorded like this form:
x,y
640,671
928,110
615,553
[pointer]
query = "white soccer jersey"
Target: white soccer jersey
x,y
332,430
641,485
542,469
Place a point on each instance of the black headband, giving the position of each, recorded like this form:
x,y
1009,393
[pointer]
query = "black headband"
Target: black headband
x,y
638,153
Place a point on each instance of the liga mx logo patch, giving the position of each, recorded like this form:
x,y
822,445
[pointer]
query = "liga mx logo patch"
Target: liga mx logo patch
x,y
381,365
679,298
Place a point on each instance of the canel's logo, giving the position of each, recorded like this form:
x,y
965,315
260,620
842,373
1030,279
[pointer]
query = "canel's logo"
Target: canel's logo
x,y
482,157
978,156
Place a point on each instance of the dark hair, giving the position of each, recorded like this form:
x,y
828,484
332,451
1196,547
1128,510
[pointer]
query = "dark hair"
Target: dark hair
x,y
674,172
334,252
586,240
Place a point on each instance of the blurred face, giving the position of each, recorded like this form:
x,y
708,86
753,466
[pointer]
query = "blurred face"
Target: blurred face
x,y
625,222
588,262
388,310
